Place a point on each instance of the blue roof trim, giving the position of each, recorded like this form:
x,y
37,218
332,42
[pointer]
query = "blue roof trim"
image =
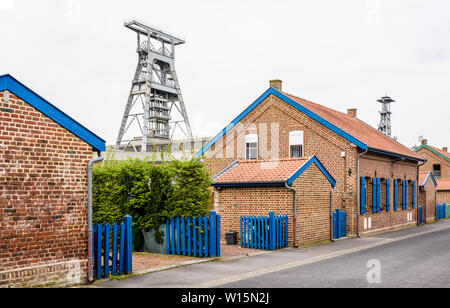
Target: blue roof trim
x,y
394,154
7,82
234,164
428,177
306,166
248,184
292,103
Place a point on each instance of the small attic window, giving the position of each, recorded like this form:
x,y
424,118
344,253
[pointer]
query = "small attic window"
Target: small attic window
x,y
296,144
437,171
251,147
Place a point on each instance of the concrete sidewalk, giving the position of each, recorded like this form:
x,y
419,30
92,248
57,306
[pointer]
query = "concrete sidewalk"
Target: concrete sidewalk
x,y
217,273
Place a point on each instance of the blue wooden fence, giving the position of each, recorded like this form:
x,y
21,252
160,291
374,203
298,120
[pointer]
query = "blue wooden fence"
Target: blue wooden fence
x,y
420,214
194,236
267,233
339,224
440,211
113,249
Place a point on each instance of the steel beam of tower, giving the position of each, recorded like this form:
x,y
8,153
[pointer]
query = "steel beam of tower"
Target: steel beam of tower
x,y
385,114
155,92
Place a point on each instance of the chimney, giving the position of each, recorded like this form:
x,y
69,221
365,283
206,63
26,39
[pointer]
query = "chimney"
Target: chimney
x,y
352,112
424,141
276,84
445,149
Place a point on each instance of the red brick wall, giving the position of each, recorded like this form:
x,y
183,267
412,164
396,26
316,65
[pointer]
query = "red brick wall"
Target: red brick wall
x,y
427,199
319,141
443,197
43,205
383,167
432,159
313,206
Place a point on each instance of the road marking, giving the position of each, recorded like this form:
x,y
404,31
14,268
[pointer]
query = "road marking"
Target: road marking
x,y
277,268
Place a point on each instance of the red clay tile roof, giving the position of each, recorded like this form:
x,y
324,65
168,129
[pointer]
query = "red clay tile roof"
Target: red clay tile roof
x,y
260,171
442,152
423,177
357,128
443,184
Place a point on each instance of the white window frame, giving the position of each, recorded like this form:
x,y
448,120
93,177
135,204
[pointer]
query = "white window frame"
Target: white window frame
x,y
251,138
296,137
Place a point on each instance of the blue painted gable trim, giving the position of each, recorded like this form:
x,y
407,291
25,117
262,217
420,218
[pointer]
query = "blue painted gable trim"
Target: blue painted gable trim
x,y
428,177
306,166
292,103
7,82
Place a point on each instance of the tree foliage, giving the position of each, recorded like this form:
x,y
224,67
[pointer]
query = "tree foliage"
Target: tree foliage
x,y
150,193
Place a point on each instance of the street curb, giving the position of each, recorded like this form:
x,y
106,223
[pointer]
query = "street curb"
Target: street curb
x,y
172,266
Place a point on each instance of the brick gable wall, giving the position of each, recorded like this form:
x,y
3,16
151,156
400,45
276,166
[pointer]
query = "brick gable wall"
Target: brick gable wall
x,y
327,146
432,159
313,206
427,199
43,205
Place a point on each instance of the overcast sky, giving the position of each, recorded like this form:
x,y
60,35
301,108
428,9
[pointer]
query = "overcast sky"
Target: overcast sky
x,y
341,54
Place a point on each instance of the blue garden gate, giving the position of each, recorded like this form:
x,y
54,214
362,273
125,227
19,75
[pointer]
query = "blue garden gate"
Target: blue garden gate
x,y
113,254
267,233
440,211
339,224
194,236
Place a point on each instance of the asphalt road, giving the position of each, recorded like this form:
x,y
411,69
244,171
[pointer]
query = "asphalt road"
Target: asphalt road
x,y
422,261
417,257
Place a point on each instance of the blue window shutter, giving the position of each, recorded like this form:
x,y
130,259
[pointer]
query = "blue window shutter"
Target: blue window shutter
x,y
363,196
388,195
379,195
406,194
403,194
374,195
414,195
395,195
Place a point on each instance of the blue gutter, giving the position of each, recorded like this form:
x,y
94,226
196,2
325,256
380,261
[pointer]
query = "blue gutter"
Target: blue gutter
x,y
9,83
289,101
249,184
394,155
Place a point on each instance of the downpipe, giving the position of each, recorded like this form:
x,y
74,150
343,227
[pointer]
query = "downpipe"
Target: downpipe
x,y
417,194
331,214
90,248
358,181
294,220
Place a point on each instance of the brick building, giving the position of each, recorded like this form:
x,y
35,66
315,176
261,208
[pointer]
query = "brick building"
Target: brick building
x,y
271,185
376,177
427,196
43,205
438,163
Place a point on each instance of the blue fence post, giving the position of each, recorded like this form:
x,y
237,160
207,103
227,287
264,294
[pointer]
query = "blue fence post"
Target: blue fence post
x,y
114,251
172,234
122,247
205,228
200,243
99,251
128,264
194,236
272,231
218,235
189,248
167,237
107,234
178,235
94,252
212,234
183,237
241,228
263,239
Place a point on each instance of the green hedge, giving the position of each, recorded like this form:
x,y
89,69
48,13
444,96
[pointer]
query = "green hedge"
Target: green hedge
x,y
148,192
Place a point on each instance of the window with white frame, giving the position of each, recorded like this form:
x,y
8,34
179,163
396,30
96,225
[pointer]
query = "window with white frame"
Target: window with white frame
x,y
296,144
251,147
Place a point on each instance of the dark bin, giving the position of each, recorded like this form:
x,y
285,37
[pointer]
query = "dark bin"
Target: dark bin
x,y
231,238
